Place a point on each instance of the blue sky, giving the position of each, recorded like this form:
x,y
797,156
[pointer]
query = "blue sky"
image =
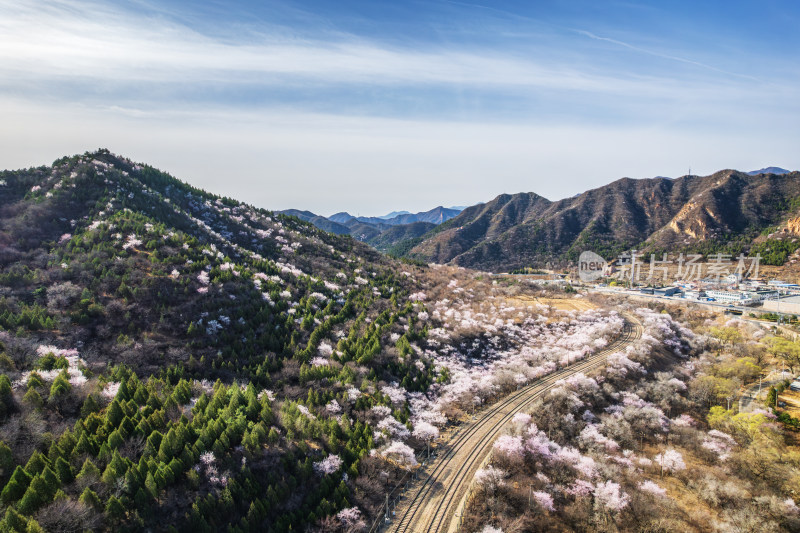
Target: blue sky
x,y
372,106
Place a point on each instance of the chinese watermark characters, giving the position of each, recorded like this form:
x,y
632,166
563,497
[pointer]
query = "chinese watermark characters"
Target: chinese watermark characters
x,y
634,267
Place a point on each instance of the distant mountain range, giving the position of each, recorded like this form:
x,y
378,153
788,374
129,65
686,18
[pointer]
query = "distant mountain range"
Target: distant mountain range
x,y
381,232
728,211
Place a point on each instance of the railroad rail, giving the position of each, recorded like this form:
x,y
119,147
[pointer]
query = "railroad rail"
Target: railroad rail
x,y
434,501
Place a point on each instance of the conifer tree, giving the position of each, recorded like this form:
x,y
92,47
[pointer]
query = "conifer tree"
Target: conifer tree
x,y
114,509
63,470
16,486
115,469
6,462
90,499
89,472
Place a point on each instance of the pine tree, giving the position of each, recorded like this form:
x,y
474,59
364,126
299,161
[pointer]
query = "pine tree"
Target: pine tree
x,y
89,406
60,388
63,470
84,445
36,463
16,486
151,485
13,521
41,491
90,499
6,462
115,440
33,525
33,399
114,509
6,395
141,499
89,472
114,413
116,468
34,380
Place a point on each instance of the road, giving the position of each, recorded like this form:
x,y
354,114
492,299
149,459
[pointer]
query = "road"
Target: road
x,y
751,399
439,496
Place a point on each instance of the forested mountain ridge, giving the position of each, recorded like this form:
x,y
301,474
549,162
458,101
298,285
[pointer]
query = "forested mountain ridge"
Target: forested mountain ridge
x,y
173,360
125,294
726,211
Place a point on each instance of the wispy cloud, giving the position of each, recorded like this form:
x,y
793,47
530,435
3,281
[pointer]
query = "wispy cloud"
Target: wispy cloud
x,y
71,40
317,117
665,56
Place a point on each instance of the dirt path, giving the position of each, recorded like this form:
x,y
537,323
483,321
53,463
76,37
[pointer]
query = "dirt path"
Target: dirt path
x,y
439,496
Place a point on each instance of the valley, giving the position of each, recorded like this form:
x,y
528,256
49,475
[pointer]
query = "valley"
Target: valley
x,y
174,357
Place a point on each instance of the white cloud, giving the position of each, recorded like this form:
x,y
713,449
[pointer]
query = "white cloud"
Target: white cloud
x,y
369,165
77,75
57,40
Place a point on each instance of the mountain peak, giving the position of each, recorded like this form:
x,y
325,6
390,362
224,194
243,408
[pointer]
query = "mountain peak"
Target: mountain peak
x,y
769,170
394,214
342,217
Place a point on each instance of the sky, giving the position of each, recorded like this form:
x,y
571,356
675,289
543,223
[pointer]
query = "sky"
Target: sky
x,y
369,106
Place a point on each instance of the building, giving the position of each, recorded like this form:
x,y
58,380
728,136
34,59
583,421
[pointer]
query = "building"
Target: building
x,y
761,295
728,296
733,279
667,291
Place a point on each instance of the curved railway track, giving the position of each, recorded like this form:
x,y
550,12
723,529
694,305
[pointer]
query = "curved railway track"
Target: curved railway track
x,y
431,505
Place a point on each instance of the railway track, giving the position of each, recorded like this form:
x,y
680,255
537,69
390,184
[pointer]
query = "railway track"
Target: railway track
x,y
432,504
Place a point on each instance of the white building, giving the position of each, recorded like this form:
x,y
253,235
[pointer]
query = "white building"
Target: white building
x,y
693,295
739,298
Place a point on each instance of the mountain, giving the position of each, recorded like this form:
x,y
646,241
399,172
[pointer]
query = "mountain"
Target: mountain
x,y
341,218
302,215
387,240
726,211
326,224
168,356
769,170
379,231
394,214
436,215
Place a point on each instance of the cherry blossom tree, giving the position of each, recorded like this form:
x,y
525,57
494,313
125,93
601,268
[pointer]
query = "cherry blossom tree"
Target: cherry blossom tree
x,y
350,518
400,454
490,478
510,448
670,461
329,465
610,496
426,432
394,428
544,500
652,488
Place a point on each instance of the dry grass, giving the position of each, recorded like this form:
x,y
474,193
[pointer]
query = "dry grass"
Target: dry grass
x,y
792,399
562,304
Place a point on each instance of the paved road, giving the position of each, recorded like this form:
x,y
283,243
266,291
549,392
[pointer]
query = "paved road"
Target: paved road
x,y
751,399
432,505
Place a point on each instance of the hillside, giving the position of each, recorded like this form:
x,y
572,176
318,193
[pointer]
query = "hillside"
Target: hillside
x,y
158,346
168,356
727,211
